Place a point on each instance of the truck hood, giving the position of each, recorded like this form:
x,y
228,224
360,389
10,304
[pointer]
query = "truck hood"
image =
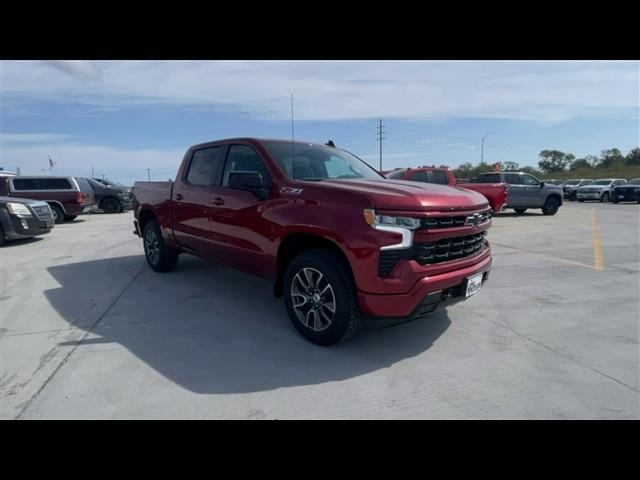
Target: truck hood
x,y
408,195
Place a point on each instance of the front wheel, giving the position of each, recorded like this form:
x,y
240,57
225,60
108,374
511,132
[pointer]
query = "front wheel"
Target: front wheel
x,y
58,214
70,218
520,211
159,257
605,197
551,206
320,297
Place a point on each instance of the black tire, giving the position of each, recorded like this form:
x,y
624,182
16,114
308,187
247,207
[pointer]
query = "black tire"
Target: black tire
x,y
2,236
605,197
520,211
614,201
159,257
346,319
58,214
70,218
551,206
581,201
573,197
110,205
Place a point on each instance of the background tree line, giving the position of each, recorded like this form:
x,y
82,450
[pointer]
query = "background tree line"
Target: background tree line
x,y
558,162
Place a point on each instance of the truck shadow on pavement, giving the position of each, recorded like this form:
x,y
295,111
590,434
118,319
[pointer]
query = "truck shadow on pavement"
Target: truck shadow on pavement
x,y
211,329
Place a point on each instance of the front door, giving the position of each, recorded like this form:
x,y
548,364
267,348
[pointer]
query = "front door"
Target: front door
x,y
238,225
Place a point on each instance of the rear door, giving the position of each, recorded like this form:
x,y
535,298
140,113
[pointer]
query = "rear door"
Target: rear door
x,y
191,198
517,193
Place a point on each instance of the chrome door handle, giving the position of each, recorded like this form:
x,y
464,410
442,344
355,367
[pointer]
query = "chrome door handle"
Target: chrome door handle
x,y
179,196
217,201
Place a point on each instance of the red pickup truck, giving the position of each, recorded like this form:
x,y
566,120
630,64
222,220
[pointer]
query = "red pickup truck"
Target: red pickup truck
x,y
496,193
339,241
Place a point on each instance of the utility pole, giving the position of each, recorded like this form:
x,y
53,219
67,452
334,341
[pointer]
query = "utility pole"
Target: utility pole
x,y
482,149
148,174
380,138
93,175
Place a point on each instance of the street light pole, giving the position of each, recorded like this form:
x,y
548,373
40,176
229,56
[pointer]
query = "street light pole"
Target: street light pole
x,y
482,149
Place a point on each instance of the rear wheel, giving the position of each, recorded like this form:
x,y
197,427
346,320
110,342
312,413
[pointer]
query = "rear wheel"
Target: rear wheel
x,y
159,257
58,214
110,205
551,206
520,210
604,197
320,297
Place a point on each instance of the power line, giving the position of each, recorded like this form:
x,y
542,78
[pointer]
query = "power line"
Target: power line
x,y
380,138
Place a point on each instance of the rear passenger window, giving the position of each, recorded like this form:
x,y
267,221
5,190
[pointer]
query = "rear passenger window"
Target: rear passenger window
x,y
439,177
41,184
489,178
419,177
204,164
512,178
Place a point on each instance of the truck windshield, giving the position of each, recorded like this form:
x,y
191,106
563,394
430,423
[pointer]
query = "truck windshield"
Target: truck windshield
x,y
602,182
572,182
302,161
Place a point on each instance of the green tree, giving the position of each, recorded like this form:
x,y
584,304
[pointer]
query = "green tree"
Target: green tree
x,y
609,157
633,157
580,163
554,161
510,166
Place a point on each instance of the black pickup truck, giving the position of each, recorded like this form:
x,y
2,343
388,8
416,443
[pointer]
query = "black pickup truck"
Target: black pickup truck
x,y
24,218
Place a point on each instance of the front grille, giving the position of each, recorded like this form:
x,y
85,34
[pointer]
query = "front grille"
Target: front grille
x,y
43,212
448,248
452,221
433,252
589,191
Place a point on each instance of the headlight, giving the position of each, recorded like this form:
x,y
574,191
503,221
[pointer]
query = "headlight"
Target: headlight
x,y
19,210
389,221
400,225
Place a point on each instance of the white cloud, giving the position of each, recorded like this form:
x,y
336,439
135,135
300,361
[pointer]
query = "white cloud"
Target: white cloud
x,y
119,164
336,90
77,69
31,137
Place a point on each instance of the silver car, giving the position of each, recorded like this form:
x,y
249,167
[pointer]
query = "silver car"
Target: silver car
x,y
599,190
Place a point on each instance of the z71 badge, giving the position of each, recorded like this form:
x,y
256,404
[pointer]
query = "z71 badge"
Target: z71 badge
x,y
295,191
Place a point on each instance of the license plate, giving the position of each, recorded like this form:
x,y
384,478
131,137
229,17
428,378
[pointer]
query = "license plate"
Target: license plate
x,y
473,284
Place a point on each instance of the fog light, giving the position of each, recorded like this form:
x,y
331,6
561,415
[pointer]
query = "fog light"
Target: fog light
x,y
24,223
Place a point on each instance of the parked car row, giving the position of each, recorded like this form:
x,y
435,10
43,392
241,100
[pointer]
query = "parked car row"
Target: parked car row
x,y
517,190
31,205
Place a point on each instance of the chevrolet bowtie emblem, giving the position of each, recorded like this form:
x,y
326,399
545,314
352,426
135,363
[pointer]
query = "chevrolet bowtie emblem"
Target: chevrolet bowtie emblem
x,y
472,220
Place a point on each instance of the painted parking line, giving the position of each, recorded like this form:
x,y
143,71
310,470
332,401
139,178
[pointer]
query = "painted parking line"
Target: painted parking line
x,y
597,246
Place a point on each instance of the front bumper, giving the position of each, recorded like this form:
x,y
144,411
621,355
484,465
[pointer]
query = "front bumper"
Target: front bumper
x,y
429,294
625,195
14,227
589,196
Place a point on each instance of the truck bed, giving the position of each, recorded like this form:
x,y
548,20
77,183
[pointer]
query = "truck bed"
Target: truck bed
x,y
152,193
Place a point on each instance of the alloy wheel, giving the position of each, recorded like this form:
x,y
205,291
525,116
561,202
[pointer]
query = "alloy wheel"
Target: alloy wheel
x,y
151,246
313,299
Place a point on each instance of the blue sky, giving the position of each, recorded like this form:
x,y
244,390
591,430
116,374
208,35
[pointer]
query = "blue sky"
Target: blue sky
x,y
122,117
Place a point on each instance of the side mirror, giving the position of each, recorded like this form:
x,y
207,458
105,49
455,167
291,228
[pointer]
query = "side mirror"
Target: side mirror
x,y
541,184
251,181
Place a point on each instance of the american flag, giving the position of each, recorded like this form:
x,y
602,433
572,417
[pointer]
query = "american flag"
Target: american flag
x,y
52,163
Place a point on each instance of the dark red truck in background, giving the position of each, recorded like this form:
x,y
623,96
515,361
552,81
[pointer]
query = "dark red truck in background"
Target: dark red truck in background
x,y
339,241
496,193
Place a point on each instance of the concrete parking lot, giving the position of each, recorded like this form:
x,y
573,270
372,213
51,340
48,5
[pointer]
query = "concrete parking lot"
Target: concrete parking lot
x,y
89,331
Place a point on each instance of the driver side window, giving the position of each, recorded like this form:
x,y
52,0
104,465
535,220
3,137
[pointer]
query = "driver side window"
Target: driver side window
x,y
529,180
242,158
